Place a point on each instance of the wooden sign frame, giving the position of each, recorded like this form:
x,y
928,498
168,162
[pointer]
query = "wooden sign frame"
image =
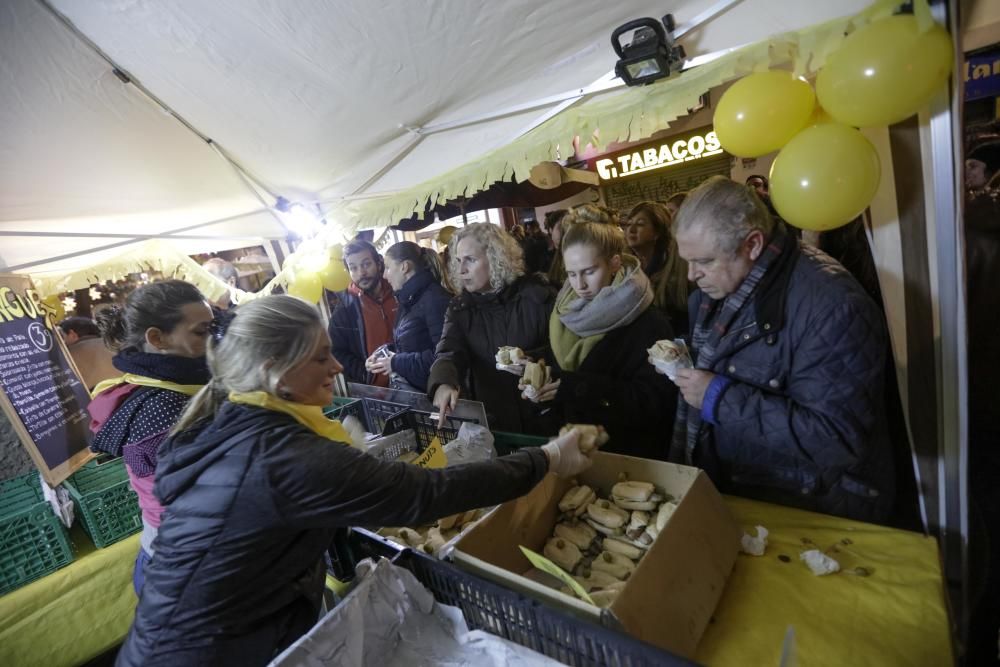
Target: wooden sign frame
x,y
21,285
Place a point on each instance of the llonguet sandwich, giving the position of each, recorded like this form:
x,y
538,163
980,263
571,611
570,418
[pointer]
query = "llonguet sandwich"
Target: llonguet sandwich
x,y
669,356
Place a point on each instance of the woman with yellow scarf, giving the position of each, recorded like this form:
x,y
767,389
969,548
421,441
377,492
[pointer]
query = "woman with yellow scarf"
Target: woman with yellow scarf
x,y
256,481
159,339
599,331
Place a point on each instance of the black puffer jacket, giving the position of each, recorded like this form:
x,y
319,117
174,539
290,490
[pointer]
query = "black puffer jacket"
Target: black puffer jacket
x,y
617,387
475,326
252,504
419,320
803,422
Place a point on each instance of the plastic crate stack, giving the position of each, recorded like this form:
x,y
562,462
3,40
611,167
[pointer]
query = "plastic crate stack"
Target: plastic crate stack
x,y
104,500
33,542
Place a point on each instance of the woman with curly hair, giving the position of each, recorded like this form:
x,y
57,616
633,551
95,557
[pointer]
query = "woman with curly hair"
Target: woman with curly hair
x,y
647,232
498,305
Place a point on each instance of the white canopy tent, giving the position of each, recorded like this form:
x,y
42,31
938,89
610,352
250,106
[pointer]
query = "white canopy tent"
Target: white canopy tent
x,y
185,120
314,101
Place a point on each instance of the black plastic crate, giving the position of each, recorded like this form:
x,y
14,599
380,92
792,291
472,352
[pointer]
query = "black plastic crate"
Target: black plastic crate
x,y
420,422
372,413
508,614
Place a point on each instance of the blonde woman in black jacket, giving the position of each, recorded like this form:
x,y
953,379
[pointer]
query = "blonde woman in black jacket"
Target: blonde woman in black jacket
x,y
255,482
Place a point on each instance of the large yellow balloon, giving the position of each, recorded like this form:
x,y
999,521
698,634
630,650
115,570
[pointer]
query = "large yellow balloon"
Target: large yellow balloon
x,y
884,72
761,112
306,285
334,275
824,177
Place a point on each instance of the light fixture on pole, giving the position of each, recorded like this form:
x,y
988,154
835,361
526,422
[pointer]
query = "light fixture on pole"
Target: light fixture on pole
x,y
651,55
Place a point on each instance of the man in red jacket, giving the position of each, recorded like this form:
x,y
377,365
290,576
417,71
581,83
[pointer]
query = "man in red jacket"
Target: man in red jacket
x,y
362,316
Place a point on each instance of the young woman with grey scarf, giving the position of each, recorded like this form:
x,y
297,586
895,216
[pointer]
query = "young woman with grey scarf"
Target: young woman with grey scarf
x,y
599,331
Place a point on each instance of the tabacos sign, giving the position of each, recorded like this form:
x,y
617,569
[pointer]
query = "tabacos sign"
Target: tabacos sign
x,y
659,156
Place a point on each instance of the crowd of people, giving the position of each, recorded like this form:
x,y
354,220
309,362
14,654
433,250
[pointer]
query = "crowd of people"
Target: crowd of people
x,y
219,416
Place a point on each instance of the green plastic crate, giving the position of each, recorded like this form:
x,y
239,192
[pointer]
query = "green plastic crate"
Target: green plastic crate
x,y
33,542
508,443
105,501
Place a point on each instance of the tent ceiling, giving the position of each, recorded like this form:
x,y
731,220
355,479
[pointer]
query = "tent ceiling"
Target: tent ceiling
x,y
308,96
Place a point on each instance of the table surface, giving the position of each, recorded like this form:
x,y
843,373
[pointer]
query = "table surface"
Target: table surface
x,y
894,616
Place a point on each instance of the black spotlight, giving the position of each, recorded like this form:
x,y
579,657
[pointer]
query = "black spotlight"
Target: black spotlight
x,y
651,55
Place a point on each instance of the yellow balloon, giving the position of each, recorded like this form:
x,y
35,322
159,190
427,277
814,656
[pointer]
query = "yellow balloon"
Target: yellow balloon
x,y
336,251
334,275
54,306
824,177
761,112
884,72
820,117
306,285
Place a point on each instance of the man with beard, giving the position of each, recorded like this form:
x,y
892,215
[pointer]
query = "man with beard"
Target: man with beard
x,y
363,315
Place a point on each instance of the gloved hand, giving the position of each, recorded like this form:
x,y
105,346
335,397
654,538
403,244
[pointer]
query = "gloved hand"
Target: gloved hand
x,y
565,457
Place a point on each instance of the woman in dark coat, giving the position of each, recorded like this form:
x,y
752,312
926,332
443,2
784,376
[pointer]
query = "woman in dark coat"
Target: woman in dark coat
x,y
415,276
257,480
647,233
498,306
603,322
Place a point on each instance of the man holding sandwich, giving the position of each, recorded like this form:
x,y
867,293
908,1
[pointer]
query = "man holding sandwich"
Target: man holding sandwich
x,y
784,402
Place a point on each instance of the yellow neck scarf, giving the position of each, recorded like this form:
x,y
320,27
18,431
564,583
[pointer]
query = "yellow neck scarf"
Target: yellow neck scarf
x,y
142,380
310,416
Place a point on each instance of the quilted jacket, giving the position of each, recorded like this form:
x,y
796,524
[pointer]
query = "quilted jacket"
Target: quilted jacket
x,y
422,304
802,421
252,502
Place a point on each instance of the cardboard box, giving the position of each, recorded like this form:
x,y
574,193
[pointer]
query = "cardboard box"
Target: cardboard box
x,y
672,594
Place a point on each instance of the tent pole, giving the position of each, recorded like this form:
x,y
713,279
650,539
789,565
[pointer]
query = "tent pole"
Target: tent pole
x,y
167,234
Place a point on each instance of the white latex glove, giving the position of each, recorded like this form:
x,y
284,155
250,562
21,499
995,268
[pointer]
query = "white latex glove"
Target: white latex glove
x,y
565,457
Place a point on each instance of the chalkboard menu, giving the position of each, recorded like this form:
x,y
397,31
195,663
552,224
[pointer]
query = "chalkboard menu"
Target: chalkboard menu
x,y
660,185
40,388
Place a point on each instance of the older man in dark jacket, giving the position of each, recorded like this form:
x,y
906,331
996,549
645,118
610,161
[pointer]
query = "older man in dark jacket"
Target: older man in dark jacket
x,y
785,401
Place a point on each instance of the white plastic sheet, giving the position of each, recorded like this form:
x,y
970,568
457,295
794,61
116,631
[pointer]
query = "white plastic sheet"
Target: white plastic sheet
x,y
391,620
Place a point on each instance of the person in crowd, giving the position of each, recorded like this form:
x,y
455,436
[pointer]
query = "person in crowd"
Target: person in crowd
x,y
784,403
762,187
159,338
443,238
91,357
517,231
227,273
647,233
363,315
498,305
536,248
674,202
256,482
415,276
603,323
555,226
982,258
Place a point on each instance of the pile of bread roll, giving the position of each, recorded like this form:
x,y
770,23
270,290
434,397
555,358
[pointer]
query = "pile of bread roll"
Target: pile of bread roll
x,y
601,541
